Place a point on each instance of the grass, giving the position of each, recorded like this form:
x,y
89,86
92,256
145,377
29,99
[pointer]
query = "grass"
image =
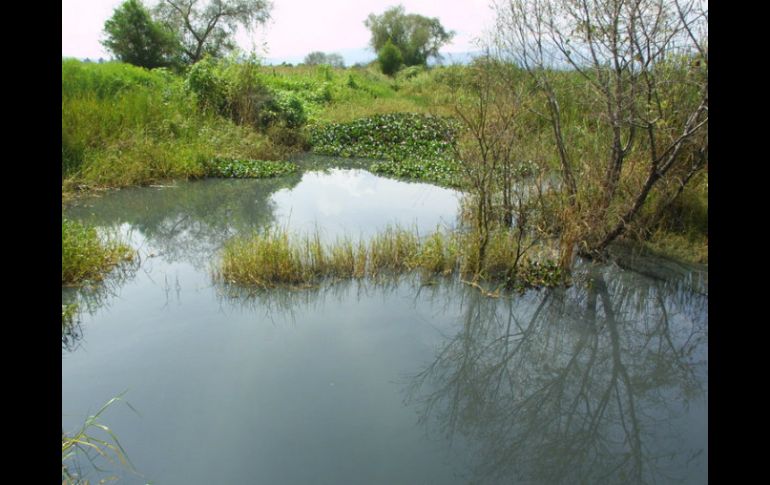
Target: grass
x,y
84,441
87,256
274,258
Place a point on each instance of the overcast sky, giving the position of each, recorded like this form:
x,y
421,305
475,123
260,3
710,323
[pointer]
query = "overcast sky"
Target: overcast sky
x,y
297,28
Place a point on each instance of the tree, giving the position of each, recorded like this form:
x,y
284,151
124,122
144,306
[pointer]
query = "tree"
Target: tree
x,y
644,71
209,27
317,58
417,38
390,58
133,37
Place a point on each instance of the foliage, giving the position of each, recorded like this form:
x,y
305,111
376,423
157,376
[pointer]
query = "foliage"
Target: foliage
x,y
233,168
387,136
135,38
86,442
209,27
317,58
416,37
407,145
86,255
274,257
390,58
637,83
237,91
123,125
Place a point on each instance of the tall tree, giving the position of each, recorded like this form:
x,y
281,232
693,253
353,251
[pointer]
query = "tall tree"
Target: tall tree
x,y
133,37
418,38
317,58
210,27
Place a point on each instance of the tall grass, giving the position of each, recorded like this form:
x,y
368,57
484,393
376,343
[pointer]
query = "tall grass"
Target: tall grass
x,y
88,256
85,442
273,257
123,125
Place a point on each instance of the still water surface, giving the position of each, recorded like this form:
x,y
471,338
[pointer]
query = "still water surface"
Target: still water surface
x,y
376,382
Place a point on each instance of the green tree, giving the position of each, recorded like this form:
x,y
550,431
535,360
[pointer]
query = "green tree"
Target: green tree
x,y
133,37
390,58
210,27
417,38
317,58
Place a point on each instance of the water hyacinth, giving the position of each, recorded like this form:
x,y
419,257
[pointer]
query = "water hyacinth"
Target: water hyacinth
x,y
233,168
407,145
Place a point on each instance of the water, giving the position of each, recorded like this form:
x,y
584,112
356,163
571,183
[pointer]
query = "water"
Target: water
x,y
364,382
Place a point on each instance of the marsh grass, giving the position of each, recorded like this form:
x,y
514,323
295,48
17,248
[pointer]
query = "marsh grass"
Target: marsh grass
x,y
275,258
87,255
85,441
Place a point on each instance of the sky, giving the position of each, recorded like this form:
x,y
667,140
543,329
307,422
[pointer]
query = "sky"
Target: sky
x,y
297,27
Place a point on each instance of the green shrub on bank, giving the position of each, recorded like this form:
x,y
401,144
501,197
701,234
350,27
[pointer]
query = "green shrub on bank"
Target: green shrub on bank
x,y
86,255
233,168
123,125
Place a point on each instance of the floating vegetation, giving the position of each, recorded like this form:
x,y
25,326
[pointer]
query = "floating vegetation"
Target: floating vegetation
x,y
234,168
406,145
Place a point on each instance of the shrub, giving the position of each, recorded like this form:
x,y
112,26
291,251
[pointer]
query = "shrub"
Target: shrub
x,y
390,58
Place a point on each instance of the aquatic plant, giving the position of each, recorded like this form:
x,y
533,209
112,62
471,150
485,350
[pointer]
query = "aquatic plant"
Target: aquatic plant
x,y
273,257
85,441
235,168
88,256
407,145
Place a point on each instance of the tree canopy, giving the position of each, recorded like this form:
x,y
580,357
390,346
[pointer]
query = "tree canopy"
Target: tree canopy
x,y
417,38
317,57
133,37
209,27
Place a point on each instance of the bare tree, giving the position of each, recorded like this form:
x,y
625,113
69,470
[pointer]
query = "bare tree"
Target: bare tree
x,y
209,27
488,154
644,67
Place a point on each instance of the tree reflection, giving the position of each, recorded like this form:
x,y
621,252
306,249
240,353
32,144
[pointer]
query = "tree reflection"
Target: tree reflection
x,y
90,298
189,222
573,386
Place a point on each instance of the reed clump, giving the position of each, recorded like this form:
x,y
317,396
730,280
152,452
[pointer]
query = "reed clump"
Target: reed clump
x,y
88,256
272,258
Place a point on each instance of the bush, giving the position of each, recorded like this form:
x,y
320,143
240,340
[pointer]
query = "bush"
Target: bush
x,y
390,58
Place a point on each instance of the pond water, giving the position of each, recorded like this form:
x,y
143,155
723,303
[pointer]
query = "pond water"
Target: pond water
x,y
375,382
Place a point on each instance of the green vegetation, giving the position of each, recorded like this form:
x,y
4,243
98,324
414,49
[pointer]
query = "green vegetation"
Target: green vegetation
x,y
87,256
570,159
317,58
273,257
135,38
85,441
390,58
415,38
410,146
248,168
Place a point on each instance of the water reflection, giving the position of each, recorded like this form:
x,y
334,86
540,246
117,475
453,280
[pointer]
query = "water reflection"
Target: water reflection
x,y
187,222
588,385
90,298
190,221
